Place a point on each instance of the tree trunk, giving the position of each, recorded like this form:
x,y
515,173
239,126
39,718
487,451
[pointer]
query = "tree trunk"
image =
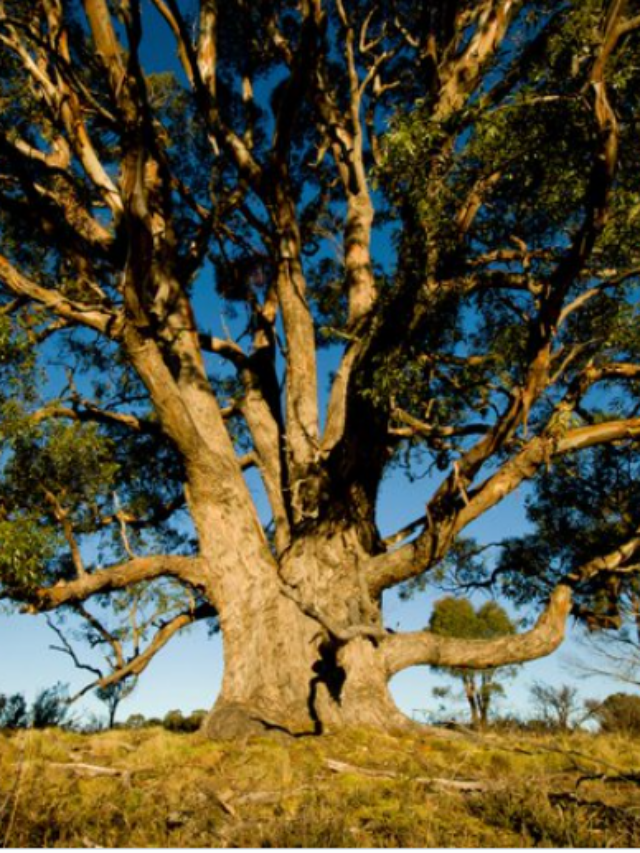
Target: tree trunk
x,y
284,669
470,689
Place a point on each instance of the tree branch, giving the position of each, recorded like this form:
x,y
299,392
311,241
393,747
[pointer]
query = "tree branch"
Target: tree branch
x,y
190,570
84,315
400,651
413,558
139,663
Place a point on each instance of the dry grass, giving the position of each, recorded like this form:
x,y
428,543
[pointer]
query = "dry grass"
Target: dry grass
x,y
180,791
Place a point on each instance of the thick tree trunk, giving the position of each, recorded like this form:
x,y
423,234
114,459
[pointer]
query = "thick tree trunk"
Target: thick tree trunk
x,y
284,670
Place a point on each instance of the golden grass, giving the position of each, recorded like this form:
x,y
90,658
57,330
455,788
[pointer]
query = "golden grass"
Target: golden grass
x,y
174,790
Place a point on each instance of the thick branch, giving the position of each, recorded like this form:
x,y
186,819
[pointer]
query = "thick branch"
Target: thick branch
x,y
191,570
21,286
460,76
413,558
400,651
94,414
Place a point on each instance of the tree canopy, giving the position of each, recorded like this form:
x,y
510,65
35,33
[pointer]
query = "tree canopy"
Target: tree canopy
x,y
323,239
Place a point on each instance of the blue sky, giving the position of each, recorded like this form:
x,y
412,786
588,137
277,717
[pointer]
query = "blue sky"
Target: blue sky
x,y
187,673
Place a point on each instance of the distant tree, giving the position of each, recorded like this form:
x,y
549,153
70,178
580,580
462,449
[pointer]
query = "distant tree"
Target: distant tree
x,y
136,721
112,695
176,721
173,721
456,617
619,713
196,719
50,707
13,712
556,707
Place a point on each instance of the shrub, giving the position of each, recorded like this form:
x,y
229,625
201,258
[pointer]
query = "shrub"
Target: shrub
x,y
50,707
13,712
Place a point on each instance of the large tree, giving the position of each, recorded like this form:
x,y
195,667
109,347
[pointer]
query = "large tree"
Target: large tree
x,y
420,215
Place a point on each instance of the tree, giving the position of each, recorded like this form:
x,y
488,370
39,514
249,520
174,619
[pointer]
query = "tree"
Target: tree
x,y
135,721
419,215
618,713
456,617
112,696
175,721
556,707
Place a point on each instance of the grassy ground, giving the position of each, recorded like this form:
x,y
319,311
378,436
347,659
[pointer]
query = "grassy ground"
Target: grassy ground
x,y
151,788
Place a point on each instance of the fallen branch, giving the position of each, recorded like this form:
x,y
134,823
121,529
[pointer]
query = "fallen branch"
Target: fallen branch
x,y
266,797
343,767
80,768
90,770
462,786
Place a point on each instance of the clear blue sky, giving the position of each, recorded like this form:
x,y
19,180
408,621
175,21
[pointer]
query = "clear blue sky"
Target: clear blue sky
x,y
187,673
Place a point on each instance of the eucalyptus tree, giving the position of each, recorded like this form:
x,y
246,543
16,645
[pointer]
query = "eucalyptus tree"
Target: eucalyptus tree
x,y
436,200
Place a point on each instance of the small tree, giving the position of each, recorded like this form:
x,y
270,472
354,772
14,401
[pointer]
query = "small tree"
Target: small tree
x,y
173,721
112,695
453,617
556,707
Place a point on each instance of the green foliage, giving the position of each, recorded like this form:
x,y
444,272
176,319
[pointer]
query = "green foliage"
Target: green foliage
x,y
583,506
26,547
72,462
529,131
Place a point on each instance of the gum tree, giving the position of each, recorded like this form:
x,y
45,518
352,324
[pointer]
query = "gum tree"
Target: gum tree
x,y
435,199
